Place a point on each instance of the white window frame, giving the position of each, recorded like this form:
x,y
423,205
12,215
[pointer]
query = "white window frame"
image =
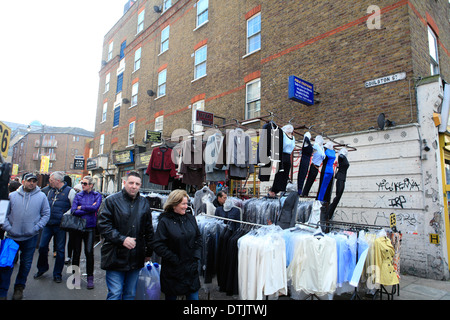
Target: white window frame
x,y
167,4
252,34
159,123
104,111
433,52
200,64
102,143
248,101
131,132
165,39
162,80
134,94
199,105
107,81
199,14
110,50
137,59
140,22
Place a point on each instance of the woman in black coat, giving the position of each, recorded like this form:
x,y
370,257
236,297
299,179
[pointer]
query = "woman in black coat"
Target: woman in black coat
x,y
178,242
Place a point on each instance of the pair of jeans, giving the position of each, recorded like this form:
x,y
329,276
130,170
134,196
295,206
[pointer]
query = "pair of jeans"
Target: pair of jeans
x,y
77,237
121,284
26,249
189,296
59,241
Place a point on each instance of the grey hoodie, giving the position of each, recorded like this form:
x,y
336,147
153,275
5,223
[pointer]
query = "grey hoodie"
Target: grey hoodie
x,y
28,212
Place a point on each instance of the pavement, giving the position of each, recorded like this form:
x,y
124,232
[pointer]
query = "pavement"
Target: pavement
x,y
44,288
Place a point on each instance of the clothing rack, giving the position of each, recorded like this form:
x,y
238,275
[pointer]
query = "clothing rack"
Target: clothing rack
x,y
232,220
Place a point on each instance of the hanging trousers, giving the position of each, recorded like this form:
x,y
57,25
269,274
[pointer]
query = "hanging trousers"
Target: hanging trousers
x,y
282,177
304,164
312,174
340,186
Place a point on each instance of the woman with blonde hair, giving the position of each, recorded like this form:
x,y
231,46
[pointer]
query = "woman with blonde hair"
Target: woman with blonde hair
x,y
178,242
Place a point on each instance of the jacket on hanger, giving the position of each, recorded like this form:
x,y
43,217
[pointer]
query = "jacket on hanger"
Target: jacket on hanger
x,y
161,167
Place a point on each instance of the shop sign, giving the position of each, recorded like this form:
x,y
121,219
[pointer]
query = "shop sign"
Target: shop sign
x,y
386,79
143,159
153,136
206,118
78,163
123,157
91,164
301,91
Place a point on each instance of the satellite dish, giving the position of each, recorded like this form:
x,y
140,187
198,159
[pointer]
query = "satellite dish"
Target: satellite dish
x,y
157,9
381,121
150,93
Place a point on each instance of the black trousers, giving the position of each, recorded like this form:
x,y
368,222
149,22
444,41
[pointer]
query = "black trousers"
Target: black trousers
x,y
312,174
340,186
88,238
282,177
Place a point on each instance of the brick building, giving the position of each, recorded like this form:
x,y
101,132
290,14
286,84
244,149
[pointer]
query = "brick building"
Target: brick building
x,y
164,59
61,145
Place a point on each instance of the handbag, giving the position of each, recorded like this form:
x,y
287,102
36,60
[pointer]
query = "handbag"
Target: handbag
x,y
8,251
69,222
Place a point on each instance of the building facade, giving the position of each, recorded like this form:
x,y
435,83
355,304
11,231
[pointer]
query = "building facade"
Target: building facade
x,y
164,60
61,145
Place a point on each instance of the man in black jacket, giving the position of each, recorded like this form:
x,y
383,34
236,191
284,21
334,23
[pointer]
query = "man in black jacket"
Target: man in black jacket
x,y
125,222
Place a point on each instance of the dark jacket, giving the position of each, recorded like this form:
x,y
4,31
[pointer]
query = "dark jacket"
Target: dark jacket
x,y
88,210
59,202
178,242
114,226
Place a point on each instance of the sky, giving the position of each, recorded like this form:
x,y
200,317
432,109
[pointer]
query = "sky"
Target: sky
x,y
51,56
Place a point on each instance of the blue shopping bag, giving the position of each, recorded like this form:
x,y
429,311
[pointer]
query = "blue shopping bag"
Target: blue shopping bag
x,y
8,251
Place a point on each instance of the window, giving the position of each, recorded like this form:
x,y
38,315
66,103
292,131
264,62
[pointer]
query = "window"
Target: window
x,y
199,105
167,4
102,142
105,109
110,50
119,83
165,39
202,12
200,62
159,123
116,115
123,45
162,76
254,33
434,58
137,59
253,99
140,25
131,129
134,94
107,80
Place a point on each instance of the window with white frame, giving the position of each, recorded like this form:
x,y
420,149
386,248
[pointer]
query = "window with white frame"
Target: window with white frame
x,y
202,12
433,49
162,77
116,118
165,39
159,123
167,4
137,59
199,105
134,94
140,23
107,80
254,33
131,130
253,99
102,142
200,62
110,50
105,110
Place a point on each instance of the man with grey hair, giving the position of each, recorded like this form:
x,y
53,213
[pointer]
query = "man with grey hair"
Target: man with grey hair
x,y
60,198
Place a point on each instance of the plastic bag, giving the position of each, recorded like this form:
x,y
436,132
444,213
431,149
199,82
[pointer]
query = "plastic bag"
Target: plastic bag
x,y
149,286
8,251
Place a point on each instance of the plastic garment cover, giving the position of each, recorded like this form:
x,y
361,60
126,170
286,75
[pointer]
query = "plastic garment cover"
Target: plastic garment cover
x,y
148,285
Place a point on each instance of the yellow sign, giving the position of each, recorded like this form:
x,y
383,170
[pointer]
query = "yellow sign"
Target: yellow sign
x,y
393,220
434,238
15,169
5,134
45,160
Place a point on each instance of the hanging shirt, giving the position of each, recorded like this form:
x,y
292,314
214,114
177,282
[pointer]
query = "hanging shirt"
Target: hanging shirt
x,y
288,143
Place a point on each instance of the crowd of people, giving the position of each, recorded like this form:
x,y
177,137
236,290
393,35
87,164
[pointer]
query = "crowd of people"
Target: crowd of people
x,y
124,222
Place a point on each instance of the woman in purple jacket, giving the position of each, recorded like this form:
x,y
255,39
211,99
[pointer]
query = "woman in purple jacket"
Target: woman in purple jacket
x,y
86,204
